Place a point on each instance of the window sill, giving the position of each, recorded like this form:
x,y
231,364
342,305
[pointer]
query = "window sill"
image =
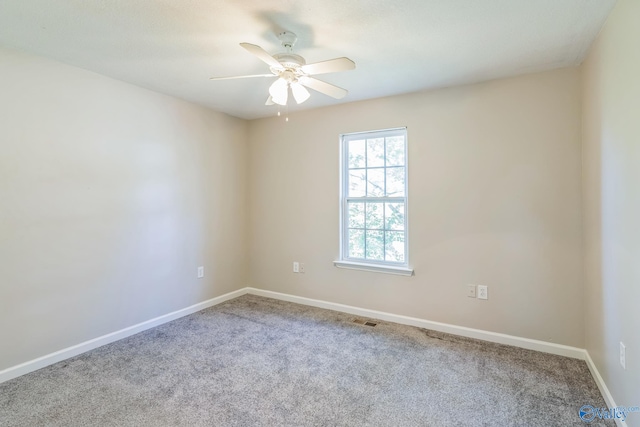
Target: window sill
x,y
400,271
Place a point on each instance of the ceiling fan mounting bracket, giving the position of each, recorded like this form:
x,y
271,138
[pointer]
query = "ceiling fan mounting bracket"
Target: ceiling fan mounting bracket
x,y
288,39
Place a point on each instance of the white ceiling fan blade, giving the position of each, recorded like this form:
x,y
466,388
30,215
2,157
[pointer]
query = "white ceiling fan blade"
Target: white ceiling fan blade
x,y
300,93
279,91
330,66
269,101
323,87
242,77
262,55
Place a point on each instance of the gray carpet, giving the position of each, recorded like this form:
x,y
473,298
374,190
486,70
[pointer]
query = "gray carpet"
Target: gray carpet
x,y
257,361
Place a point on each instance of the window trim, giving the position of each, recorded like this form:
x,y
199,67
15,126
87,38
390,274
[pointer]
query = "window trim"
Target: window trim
x,y
400,268
376,268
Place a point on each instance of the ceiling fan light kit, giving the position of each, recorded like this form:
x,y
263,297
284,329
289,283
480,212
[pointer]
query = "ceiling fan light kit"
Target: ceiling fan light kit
x,y
279,91
294,74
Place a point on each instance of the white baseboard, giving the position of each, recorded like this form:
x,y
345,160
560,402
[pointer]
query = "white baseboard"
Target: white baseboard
x,y
543,346
546,347
602,386
526,343
49,359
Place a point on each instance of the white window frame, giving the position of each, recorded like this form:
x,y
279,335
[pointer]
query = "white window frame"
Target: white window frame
x,y
400,268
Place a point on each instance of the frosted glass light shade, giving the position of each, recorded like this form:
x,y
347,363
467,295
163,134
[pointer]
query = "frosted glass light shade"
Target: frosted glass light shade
x,y
279,91
300,93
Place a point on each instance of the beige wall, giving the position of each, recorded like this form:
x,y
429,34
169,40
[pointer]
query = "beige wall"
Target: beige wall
x,y
110,197
611,164
494,187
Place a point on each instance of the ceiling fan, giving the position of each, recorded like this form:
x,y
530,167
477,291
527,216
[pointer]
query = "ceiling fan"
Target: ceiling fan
x,y
294,73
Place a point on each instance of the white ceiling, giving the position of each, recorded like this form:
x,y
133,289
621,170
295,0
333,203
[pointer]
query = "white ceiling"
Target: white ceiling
x,y
399,46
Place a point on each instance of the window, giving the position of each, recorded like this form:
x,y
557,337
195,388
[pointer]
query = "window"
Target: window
x,y
373,201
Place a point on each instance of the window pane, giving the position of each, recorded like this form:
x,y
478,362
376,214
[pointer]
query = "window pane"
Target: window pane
x,y
394,216
374,197
356,154
375,152
375,182
356,215
395,151
357,183
394,246
395,182
375,245
356,243
375,216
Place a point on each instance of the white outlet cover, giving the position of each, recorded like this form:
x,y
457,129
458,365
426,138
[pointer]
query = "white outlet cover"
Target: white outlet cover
x,y
200,272
483,292
623,355
296,267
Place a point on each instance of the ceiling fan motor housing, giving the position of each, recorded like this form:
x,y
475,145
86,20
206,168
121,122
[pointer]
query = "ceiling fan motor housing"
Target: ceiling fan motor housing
x,y
290,60
291,64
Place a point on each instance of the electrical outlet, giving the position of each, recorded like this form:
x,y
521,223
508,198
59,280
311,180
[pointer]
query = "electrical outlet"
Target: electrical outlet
x,y
200,272
483,292
301,268
623,355
471,291
296,267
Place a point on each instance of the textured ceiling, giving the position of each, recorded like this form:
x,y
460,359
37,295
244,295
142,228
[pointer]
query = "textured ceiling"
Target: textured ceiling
x,y
399,46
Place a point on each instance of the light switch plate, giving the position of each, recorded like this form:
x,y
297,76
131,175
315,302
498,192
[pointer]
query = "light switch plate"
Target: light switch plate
x,y
471,291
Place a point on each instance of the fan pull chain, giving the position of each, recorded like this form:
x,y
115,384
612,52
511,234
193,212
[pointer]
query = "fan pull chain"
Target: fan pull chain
x,y
286,113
